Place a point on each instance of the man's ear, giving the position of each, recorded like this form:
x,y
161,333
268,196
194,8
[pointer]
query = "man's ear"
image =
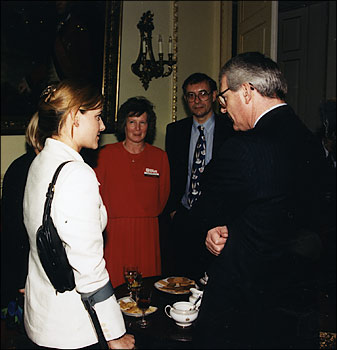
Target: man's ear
x,y
247,92
214,93
75,119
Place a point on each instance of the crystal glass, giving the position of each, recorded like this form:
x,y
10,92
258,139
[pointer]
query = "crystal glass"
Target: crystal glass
x,y
133,279
143,302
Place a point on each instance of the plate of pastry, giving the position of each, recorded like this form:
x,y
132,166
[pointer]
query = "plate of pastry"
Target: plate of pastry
x,y
129,307
175,285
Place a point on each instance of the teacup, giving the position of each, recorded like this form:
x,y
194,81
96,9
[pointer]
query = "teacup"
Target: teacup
x,y
196,293
182,312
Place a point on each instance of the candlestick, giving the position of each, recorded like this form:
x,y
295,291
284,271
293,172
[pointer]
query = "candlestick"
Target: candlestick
x,y
170,45
160,44
148,55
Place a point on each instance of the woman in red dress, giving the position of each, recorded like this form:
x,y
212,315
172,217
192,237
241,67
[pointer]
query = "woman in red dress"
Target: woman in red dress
x,y
134,181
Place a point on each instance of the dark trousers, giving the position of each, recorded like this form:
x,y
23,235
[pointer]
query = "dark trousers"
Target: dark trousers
x,y
227,321
277,329
187,243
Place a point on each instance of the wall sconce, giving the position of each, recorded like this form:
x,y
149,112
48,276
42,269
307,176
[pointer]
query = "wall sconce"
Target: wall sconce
x,y
146,67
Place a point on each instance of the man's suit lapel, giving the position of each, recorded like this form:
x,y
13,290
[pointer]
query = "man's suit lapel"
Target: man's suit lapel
x,y
185,140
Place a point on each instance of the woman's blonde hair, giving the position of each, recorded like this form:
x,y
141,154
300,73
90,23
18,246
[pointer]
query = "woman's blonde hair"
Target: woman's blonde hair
x,y
58,100
31,132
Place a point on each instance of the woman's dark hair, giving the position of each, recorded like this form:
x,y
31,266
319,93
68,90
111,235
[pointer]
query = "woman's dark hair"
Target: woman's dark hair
x,y
135,107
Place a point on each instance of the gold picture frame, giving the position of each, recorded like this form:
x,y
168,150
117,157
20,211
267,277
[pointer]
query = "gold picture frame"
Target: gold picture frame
x,y
112,59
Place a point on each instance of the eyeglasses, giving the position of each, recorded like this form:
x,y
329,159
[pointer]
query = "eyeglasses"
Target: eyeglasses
x,y
222,98
203,95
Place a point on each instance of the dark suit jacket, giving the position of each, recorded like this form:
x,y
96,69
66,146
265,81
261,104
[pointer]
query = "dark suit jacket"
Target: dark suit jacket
x,y
14,237
262,185
177,145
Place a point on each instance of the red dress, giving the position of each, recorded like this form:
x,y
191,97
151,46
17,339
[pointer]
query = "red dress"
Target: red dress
x,y
134,189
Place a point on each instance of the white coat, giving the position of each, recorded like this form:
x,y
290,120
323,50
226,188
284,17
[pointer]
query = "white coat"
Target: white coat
x,y
79,215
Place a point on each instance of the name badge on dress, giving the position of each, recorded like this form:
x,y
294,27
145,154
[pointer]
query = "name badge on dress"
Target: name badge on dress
x,y
151,172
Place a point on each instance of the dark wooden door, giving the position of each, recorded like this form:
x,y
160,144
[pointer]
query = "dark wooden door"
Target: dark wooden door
x,y
302,56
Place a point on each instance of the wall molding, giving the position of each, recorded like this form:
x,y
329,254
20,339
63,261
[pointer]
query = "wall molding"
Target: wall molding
x,y
274,30
175,56
226,27
2,179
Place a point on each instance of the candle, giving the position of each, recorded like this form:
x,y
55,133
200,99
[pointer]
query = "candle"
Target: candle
x,y
170,45
144,46
160,44
147,55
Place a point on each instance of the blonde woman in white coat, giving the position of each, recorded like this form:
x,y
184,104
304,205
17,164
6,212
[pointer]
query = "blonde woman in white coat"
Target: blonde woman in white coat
x,y
69,119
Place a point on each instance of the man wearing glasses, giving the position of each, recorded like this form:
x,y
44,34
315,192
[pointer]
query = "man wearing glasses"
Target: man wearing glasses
x,y
264,188
190,145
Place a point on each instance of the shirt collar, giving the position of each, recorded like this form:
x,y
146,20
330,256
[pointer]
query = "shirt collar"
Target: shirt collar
x,y
268,110
207,125
60,147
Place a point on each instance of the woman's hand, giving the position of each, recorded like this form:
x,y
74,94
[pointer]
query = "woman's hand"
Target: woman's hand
x,y
127,341
216,239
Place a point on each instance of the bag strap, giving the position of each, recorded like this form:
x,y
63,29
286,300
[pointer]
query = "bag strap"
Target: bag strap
x,y
50,193
94,318
89,300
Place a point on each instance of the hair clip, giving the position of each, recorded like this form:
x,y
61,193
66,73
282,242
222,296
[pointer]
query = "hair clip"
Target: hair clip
x,y
48,92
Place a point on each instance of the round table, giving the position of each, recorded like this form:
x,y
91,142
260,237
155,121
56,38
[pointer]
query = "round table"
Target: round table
x,y
162,332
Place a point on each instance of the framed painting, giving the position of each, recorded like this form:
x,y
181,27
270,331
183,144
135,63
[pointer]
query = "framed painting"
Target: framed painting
x,y
43,42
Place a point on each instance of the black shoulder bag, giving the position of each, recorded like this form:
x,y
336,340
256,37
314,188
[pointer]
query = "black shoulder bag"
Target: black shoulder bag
x,y
55,263
50,248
